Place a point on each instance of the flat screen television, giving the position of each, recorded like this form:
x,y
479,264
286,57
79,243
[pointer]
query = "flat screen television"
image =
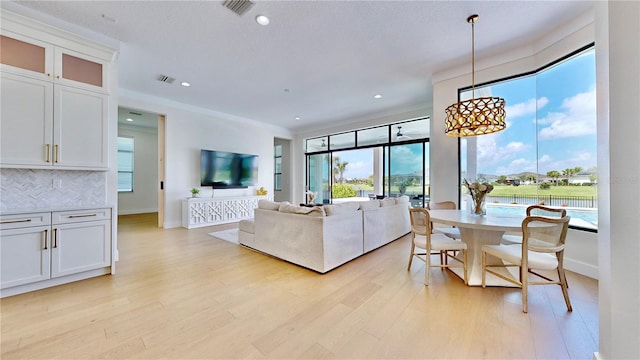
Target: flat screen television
x,y
226,170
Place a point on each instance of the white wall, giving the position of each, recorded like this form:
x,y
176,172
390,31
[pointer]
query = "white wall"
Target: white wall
x,y
618,100
144,197
190,129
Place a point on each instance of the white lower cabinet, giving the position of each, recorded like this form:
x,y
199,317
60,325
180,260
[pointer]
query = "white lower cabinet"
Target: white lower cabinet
x,y
25,255
80,247
45,249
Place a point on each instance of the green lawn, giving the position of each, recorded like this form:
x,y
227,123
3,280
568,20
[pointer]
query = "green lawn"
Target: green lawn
x,y
523,190
532,190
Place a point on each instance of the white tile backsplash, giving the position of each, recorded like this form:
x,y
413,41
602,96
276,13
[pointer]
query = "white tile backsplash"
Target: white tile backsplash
x,y
50,189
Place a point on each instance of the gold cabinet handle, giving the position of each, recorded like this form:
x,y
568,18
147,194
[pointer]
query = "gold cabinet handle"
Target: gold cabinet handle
x,y
55,238
48,74
15,221
57,76
47,151
81,216
46,234
57,151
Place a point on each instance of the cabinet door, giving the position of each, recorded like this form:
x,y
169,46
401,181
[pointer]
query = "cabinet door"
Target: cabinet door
x,y
80,247
25,255
26,56
26,107
80,128
75,69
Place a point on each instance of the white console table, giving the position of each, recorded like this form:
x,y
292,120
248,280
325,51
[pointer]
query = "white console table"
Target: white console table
x,y
199,212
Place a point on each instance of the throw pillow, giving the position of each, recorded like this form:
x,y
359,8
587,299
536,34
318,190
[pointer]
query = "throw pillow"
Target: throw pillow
x,y
342,208
303,210
268,204
402,199
387,202
371,204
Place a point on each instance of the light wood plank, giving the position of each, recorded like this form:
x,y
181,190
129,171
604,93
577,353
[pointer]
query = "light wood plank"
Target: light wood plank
x,y
182,294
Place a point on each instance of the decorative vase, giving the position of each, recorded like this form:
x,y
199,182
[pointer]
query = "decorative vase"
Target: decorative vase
x,y
477,206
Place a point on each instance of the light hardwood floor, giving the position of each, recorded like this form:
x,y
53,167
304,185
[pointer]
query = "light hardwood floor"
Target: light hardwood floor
x,y
183,294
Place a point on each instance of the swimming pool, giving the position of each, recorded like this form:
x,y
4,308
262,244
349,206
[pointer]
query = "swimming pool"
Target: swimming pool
x,y
581,217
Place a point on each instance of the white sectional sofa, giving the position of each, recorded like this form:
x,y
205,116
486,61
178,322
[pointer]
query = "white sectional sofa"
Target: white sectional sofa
x,y
322,238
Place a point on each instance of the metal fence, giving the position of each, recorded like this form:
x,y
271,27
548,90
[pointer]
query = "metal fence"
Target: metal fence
x,y
549,200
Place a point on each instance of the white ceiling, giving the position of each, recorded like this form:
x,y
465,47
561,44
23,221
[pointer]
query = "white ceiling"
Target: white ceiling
x,y
320,60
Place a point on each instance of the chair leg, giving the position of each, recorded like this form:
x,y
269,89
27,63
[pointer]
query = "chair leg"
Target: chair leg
x,y
413,247
484,268
563,284
427,267
464,267
524,280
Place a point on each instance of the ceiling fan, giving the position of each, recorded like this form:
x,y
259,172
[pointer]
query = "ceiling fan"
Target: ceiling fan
x,y
400,135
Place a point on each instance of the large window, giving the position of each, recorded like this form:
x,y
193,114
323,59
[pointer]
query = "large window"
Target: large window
x,y
389,160
125,164
547,153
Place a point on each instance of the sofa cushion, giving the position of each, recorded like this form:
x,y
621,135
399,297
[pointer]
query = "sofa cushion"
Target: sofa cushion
x,y
387,202
247,225
371,204
268,205
342,208
304,210
404,199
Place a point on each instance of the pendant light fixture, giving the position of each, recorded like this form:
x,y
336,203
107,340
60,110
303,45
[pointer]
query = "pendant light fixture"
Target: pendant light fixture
x,y
484,115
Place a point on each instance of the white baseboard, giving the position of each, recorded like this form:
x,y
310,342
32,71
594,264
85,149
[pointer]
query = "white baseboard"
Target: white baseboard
x,y
168,225
136,211
581,268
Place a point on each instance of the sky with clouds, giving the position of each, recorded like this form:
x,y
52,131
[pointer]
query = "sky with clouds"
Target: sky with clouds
x,y
551,125
551,121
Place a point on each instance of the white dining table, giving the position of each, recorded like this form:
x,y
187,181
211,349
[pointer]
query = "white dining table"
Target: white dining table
x,y
476,231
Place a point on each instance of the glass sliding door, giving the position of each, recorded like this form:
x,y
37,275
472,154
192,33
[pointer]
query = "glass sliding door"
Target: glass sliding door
x,y
354,174
318,177
407,164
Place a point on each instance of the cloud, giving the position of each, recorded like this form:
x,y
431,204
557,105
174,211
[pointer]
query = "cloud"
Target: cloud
x,y
359,169
489,152
517,166
583,159
526,108
578,118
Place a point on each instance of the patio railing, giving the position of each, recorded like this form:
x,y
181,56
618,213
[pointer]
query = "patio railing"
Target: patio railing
x,y
549,200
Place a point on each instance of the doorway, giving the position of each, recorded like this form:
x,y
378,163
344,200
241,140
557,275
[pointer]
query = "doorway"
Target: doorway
x,y
140,163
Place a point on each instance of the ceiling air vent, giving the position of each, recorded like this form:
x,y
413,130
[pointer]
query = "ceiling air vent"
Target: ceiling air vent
x,y
166,79
135,113
238,6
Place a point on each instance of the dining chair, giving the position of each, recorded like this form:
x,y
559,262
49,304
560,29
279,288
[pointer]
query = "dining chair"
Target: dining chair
x,y
534,210
424,244
451,232
542,249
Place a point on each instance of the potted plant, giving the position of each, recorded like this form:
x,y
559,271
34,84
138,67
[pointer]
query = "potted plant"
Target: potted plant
x,y
195,192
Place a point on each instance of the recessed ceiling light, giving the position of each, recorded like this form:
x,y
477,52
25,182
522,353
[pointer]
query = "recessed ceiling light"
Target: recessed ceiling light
x,y
297,117
378,96
184,83
262,20
129,119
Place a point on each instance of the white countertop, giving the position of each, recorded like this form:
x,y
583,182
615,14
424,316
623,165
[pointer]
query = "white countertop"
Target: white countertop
x,y
52,209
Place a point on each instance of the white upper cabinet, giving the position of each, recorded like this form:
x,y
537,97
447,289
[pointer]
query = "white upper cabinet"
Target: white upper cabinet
x,y
26,129
55,99
25,56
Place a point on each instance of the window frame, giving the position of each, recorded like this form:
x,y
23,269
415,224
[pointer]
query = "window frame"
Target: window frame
x,y
132,172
